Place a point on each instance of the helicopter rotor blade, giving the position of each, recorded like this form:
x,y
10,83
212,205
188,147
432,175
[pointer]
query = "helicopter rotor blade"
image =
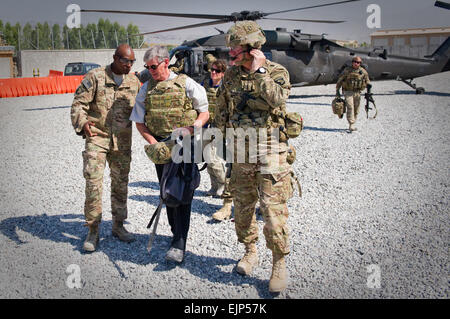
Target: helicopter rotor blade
x,y
303,20
310,7
442,4
165,14
204,24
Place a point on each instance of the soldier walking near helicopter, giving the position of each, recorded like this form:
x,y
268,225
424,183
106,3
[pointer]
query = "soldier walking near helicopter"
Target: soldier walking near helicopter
x,y
353,80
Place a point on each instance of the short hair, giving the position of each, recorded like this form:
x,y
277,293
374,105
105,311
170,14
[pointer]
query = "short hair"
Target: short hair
x,y
220,64
156,51
356,58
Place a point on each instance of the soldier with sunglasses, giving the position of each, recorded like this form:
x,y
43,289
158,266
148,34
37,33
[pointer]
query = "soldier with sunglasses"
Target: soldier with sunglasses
x,y
353,80
100,112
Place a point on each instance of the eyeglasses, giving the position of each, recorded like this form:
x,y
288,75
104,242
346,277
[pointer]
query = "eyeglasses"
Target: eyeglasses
x,y
357,62
153,67
126,61
216,70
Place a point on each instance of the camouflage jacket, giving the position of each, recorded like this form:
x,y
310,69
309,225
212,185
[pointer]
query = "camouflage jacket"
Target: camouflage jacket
x,y
98,99
353,79
252,99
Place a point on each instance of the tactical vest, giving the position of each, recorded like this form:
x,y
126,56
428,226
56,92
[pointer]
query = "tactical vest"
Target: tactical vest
x,y
212,99
354,80
167,106
260,114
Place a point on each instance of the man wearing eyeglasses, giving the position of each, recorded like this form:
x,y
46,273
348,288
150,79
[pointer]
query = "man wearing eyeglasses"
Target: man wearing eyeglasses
x,y
353,80
100,112
168,102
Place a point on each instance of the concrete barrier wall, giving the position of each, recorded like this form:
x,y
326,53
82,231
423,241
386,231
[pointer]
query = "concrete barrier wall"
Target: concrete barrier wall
x,y
46,60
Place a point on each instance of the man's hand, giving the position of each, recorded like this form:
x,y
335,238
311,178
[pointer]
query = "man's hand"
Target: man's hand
x,y
87,129
258,59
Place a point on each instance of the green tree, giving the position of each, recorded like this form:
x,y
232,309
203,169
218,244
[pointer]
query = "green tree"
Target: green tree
x,y
27,33
56,33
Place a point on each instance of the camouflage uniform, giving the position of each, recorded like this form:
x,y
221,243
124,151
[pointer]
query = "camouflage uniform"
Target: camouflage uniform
x,y
98,99
272,180
353,81
215,167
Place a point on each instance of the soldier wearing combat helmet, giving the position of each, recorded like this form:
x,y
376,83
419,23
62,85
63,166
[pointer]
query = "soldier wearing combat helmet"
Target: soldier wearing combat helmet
x,y
100,110
253,95
353,80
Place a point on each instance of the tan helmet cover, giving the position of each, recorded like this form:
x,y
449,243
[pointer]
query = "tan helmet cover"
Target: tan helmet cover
x,y
245,33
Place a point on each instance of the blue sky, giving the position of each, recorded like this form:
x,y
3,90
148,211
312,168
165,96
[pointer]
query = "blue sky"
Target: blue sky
x,y
394,14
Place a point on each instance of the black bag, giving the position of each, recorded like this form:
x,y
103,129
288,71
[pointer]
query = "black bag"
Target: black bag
x,y
178,183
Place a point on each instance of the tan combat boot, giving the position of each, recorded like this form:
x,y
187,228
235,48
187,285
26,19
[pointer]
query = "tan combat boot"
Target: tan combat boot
x,y
278,280
249,261
225,211
120,232
90,244
352,128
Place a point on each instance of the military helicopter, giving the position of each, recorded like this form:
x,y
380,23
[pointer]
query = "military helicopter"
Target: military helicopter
x,y
310,59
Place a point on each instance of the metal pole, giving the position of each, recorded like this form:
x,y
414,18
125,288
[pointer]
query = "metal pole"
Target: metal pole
x,y
93,41
104,39
79,36
67,36
53,44
18,37
37,37
117,41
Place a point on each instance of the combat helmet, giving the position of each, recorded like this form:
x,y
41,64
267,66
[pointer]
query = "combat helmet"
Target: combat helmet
x,y
338,106
245,33
160,153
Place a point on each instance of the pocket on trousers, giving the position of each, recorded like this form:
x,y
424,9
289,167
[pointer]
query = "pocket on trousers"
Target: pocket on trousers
x,y
92,165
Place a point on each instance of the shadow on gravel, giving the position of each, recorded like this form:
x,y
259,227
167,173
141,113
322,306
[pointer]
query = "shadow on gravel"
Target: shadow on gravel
x,y
310,96
69,229
308,103
48,108
408,92
198,205
324,129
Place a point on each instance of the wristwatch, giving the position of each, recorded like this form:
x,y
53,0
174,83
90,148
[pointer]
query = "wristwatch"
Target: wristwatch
x,y
261,70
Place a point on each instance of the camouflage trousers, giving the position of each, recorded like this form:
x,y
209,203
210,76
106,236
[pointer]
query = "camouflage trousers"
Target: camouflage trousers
x,y
94,161
248,184
352,100
216,167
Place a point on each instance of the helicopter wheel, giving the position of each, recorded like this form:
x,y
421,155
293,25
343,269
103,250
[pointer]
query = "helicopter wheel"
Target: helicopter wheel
x,y
420,91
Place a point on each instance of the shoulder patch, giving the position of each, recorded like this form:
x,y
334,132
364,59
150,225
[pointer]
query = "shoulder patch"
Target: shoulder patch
x,y
86,83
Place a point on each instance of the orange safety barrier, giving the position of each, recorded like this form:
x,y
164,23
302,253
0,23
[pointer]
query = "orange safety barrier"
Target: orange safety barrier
x,y
55,73
39,85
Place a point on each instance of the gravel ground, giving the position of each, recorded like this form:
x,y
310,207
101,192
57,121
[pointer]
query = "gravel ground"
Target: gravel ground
x,y
376,198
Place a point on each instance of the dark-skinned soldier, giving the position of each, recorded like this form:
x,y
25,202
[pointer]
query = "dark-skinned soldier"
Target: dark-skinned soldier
x,y
100,112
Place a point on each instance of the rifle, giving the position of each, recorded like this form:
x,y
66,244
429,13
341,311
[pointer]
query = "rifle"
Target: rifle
x,y
369,99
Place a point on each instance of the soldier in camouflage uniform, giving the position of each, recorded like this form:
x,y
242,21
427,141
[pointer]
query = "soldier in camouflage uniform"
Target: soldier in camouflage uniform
x,y
215,168
267,83
169,102
353,80
100,112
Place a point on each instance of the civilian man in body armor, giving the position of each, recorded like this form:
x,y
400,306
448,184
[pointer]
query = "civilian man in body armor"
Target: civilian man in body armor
x,y
100,112
353,80
169,102
253,95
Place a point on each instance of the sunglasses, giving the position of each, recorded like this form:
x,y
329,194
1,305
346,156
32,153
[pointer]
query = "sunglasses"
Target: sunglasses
x,y
153,67
237,55
216,70
357,62
126,61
